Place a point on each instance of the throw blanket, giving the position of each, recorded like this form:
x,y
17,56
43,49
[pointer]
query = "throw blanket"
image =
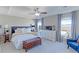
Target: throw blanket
x,y
17,40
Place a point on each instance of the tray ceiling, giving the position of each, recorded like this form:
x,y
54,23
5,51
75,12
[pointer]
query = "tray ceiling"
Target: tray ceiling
x,y
23,11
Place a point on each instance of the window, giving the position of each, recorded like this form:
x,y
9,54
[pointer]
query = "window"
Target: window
x,y
66,24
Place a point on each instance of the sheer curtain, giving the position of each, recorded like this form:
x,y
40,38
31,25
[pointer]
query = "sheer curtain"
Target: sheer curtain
x,y
58,31
39,24
42,23
36,24
74,18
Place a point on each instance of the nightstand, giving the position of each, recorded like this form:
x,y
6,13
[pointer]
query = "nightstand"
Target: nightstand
x,y
7,38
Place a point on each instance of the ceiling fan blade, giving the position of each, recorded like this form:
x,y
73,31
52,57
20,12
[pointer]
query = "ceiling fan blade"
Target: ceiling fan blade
x,y
43,12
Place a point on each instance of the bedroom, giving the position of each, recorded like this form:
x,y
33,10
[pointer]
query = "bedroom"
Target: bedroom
x,y
42,24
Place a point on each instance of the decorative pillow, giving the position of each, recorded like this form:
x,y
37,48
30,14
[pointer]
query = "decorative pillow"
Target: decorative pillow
x,y
25,30
78,41
18,30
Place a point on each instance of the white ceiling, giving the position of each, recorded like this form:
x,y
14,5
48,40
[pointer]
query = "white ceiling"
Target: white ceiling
x,y
24,11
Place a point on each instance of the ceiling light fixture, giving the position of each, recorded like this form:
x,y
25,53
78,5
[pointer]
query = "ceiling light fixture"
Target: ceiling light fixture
x,y
37,14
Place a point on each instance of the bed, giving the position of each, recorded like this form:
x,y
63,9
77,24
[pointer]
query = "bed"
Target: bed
x,y
24,40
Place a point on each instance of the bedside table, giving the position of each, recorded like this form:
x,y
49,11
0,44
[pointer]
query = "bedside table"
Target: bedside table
x,y
7,38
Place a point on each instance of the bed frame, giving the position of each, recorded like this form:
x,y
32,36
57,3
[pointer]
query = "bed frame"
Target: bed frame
x,y
28,44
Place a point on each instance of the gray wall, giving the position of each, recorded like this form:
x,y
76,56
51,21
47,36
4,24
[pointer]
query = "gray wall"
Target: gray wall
x,y
12,20
50,20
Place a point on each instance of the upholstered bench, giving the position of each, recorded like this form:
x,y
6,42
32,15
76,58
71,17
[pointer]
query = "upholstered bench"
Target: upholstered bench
x,y
28,44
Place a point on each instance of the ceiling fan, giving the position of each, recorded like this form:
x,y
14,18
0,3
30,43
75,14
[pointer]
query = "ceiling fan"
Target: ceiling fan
x,y
37,12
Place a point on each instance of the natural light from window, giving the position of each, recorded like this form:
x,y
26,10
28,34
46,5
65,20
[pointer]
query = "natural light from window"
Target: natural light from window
x,y
66,21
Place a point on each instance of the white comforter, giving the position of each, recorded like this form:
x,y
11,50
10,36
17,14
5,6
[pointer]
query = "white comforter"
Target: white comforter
x,y
18,40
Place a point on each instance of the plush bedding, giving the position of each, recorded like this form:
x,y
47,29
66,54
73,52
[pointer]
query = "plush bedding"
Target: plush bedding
x,y
32,33
18,39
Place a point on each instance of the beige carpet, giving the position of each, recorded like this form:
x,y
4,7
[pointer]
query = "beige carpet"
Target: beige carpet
x,y
9,48
46,47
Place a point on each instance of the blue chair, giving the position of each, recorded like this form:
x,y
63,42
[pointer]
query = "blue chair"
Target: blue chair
x,y
73,43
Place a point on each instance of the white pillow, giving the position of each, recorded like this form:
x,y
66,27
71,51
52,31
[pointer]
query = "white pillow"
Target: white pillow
x,y
25,30
18,30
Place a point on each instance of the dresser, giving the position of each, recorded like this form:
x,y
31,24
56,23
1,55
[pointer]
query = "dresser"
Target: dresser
x,y
48,34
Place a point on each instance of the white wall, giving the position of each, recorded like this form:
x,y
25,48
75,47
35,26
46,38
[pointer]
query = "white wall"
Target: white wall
x,y
12,20
50,20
